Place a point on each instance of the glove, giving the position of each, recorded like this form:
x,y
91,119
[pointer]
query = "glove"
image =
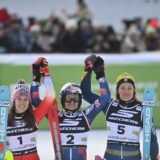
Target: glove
x,y
35,72
99,67
40,68
89,62
44,69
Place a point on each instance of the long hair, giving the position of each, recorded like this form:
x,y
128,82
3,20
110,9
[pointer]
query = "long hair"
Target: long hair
x,y
27,116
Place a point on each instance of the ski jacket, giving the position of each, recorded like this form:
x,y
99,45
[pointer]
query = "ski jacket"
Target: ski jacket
x,y
21,139
124,123
74,126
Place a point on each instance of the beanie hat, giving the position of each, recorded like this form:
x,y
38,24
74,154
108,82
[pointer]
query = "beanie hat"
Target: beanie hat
x,y
125,78
21,89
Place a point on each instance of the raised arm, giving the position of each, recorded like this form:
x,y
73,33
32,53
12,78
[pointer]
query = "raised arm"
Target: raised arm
x,y
99,102
42,107
85,85
36,82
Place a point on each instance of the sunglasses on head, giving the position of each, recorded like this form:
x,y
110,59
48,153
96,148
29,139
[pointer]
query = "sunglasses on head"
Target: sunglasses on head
x,y
72,97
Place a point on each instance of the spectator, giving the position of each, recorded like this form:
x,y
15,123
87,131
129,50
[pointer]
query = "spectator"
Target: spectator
x,y
132,41
4,16
4,46
82,11
19,37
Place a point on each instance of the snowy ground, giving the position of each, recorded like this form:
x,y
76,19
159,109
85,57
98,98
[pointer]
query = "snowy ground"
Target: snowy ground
x,y
96,144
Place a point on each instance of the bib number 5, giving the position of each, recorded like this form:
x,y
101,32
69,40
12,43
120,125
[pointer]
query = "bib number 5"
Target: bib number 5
x,y
121,129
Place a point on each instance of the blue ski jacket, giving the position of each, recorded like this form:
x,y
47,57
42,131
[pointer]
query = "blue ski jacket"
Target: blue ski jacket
x,y
124,123
74,126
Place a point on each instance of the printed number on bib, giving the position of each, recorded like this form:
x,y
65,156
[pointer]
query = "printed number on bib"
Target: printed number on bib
x,y
121,129
20,140
70,139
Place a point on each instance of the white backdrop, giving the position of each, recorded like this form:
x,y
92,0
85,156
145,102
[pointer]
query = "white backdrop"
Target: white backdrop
x,y
28,59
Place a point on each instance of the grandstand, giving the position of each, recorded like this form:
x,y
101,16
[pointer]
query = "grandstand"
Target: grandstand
x,y
61,27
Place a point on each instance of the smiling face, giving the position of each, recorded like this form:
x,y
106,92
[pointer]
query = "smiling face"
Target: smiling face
x,y
21,104
126,91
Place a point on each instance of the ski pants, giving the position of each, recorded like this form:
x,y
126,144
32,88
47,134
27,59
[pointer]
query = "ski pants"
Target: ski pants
x,y
122,152
32,156
74,153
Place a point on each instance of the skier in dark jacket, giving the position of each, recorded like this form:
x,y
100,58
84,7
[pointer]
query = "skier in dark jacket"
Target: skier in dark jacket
x,y
123,118
74,122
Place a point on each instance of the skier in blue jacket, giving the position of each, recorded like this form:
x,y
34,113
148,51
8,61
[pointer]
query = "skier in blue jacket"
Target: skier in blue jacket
x,y
123,117
74,122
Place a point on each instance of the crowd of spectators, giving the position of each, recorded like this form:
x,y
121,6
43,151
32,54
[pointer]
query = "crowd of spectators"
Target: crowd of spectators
x,y
77,34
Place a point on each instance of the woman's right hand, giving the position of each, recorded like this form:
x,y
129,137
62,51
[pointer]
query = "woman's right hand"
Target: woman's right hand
x,y
40,68
36,70
89,62
44,69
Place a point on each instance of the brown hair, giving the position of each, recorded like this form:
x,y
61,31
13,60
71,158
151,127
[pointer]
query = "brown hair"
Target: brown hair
x,y
27,116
